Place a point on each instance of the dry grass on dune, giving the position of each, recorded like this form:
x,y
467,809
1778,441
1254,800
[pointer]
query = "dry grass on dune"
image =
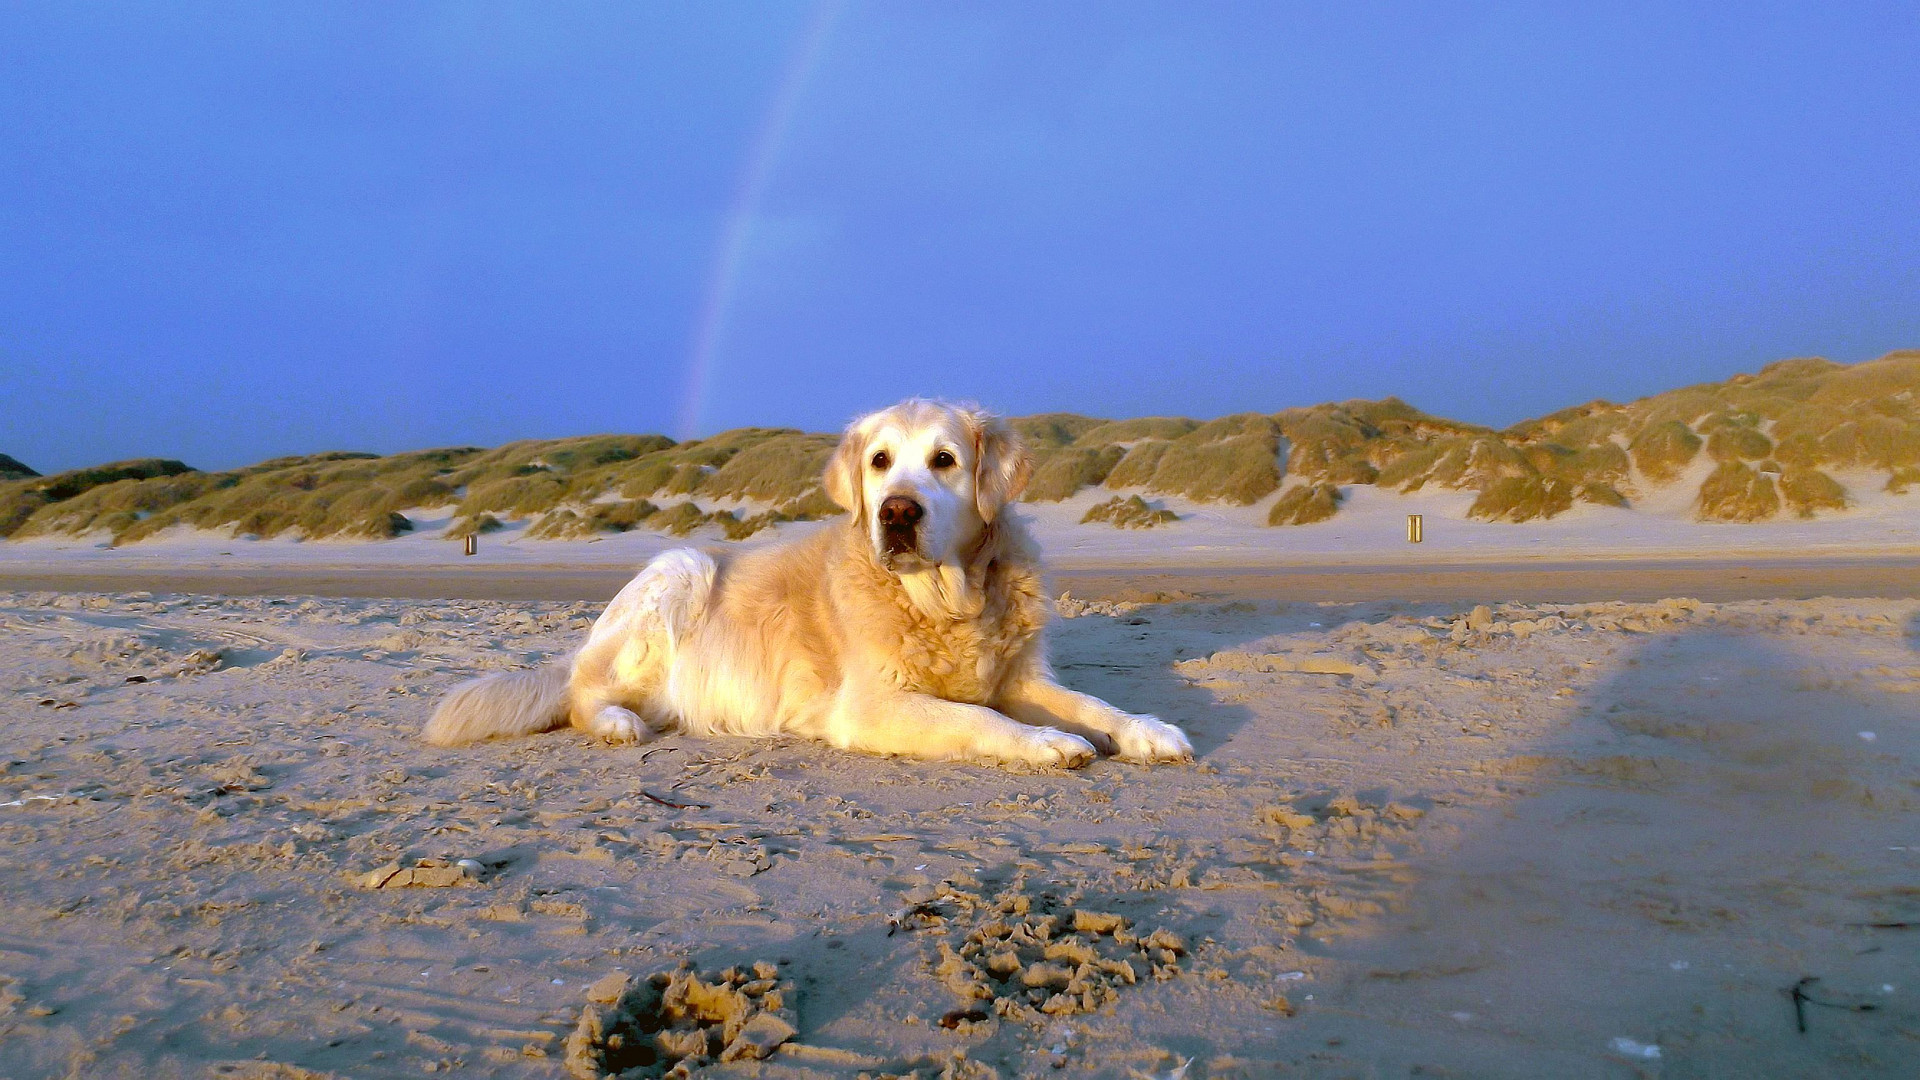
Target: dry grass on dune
x,y
1601,494
1735,491
478,525
1132,512
1800,419
1601,463
1235,459
1045,431
1477,462
364,495
779,468
1240,470
515,496
1876,441
1059,472
1662,449
1135,468
592,520
1522,498
680,519
29,505
1306,504
1409,471
1128,432
1808,491
1736,441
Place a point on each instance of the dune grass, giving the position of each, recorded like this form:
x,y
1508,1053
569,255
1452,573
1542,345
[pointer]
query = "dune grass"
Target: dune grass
x,y
68,484
515,496
117,505
1601,494
1161,428
477,525
1808,491
18,504
1522,498
1240,470
780,467
1878,441
1045,431
1800,419
1477,462
1234,460
1306,504
12,468
1407,471
1132,512
126,502
1737,492
1318,439
1663,448
1599,463
1058,473
1136,467
1351,470
1737,442
568,523
680,519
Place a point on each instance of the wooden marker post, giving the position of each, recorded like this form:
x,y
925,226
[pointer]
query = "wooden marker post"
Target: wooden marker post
x,y
1414,529
473,543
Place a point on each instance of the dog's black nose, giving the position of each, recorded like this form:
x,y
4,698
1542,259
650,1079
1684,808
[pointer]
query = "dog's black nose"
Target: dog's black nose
x,y
900,512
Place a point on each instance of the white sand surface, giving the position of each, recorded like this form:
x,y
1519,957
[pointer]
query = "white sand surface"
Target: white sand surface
x,y
1419,840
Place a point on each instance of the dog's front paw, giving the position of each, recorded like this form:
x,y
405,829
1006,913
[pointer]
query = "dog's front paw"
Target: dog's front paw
x,y
618,725
1149,738
1051,746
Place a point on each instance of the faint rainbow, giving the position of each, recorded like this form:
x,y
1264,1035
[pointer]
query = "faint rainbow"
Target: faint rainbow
x,y
730,251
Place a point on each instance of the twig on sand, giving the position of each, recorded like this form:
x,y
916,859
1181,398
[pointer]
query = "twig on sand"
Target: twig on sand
x,y
1802,999
658,750
651,797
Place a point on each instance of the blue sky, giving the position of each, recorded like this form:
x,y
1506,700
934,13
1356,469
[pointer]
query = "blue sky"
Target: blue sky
x,y
229,232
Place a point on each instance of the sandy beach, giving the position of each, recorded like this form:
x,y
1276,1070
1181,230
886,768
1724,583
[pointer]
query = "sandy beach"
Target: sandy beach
x,y
1570,835
1489,434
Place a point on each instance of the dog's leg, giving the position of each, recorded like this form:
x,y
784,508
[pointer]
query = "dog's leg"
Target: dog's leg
x,y
596,696
1039,700
888,721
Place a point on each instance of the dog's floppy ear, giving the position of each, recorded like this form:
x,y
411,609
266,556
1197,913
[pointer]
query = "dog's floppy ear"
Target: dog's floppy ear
x,y
842,478
1001,463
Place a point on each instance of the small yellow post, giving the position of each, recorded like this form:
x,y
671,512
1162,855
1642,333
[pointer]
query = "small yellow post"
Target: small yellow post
x,y
473,544
1414,528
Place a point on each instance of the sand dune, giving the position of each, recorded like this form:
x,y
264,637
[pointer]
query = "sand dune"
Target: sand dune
x,y
1802,439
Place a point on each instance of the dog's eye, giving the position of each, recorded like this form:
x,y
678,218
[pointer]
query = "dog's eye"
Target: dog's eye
x,y
943,460
881,461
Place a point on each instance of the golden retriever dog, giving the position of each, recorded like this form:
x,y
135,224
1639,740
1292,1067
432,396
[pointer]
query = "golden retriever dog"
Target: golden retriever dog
x,y
913,626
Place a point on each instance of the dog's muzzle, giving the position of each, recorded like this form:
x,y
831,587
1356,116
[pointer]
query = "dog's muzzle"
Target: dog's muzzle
x,y
899,519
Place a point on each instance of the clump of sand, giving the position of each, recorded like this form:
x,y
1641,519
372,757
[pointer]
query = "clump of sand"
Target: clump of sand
x,y
671,1023
1022,956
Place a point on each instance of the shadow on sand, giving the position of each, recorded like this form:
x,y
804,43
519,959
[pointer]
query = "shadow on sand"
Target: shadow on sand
x,y
1724,817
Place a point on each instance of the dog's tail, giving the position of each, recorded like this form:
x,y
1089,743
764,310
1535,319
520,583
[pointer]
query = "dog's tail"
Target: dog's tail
x,y
509,703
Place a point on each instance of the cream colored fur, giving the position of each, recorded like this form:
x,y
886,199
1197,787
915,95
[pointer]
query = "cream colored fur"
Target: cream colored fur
x,y
936,652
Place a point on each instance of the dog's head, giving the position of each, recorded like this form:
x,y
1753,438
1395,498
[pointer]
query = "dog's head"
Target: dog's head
x,y
923,479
